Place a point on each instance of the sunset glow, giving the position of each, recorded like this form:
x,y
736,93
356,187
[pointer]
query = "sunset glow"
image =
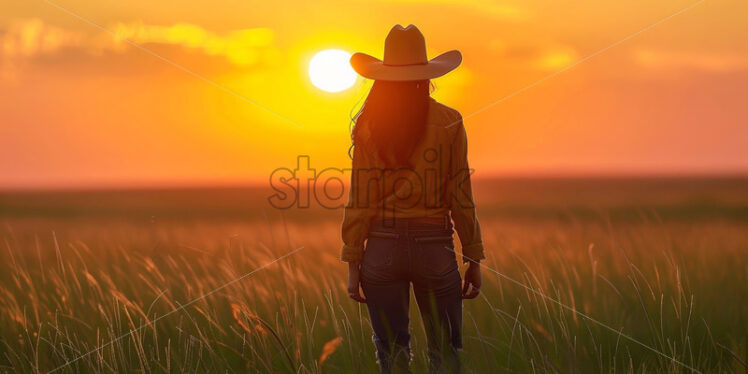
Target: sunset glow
x,y
230,91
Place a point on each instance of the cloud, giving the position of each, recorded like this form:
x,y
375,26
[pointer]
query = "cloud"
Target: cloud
x,y
704,61
486,7
241,47
540,55
26,39
556,57
33,37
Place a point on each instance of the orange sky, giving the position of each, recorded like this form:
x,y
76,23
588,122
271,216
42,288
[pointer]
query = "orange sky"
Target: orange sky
x,y
78,107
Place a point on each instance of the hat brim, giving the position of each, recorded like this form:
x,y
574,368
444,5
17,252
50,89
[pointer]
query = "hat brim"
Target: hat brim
x,y
373,68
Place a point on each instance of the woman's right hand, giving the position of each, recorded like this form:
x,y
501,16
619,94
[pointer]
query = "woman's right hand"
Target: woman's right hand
x,y
354,282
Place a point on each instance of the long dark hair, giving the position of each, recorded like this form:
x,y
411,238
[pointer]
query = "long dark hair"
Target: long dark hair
x,y
395,114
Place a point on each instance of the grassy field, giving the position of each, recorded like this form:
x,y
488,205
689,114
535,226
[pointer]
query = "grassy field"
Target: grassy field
x,y
103,281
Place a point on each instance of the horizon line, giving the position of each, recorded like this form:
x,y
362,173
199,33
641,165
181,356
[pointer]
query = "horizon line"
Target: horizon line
x,y
133,185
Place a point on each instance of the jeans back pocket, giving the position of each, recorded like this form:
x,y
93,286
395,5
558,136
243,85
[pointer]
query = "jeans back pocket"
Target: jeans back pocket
x,y
380,249
436,254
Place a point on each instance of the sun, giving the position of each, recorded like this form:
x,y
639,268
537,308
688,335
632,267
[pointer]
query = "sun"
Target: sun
x,y
330,71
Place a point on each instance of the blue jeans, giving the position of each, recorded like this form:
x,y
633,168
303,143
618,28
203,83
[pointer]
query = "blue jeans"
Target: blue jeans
x,y
401,252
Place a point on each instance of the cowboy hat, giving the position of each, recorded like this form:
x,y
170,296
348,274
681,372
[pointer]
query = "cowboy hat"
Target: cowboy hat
x,y
405,58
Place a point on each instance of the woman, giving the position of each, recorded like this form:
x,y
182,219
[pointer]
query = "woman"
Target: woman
x,y
410,184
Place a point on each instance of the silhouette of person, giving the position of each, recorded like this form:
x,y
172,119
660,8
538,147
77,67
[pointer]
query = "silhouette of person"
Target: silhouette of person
x,y
410,188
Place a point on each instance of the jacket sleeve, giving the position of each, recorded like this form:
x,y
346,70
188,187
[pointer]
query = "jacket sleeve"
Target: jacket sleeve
x,y
361,207
460,192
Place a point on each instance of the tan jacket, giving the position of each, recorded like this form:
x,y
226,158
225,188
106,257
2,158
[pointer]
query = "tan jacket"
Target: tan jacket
x,y
436,185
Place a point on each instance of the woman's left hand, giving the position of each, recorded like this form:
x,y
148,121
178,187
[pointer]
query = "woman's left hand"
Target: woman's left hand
x,y
471,284
354,282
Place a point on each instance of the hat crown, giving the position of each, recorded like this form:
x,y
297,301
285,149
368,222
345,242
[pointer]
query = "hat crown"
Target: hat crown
x,y
405,46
